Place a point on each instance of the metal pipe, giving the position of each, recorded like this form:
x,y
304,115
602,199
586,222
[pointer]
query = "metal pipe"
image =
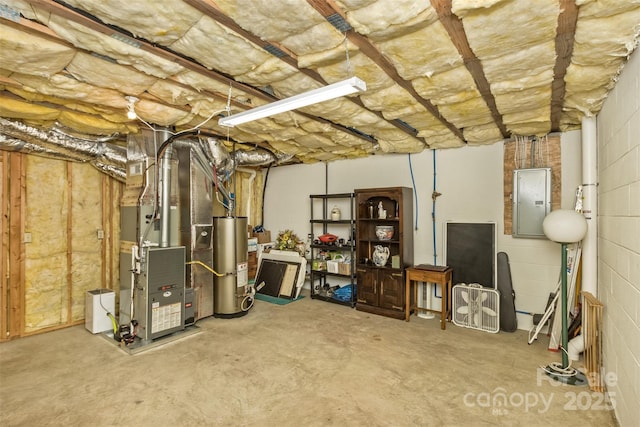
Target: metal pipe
x,y
590,205
165,198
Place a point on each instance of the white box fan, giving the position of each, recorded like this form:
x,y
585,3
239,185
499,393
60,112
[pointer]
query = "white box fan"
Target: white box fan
x,y
476,307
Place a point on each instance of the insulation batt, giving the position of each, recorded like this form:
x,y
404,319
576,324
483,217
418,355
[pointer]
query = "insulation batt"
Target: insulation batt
x,y
30,54
362,66
378,20
71,89
162,25
98,72
45,79
422,53
256,15
483,134
203,41
444,84
107,46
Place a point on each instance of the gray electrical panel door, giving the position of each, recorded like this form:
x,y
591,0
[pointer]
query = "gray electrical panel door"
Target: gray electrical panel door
x,y
531,201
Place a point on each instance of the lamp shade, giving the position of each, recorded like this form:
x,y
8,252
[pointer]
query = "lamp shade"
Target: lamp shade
x,y
564,226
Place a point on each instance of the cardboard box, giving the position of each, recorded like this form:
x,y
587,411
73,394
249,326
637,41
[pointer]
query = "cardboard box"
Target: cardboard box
x,y
252,244
344,268
264,237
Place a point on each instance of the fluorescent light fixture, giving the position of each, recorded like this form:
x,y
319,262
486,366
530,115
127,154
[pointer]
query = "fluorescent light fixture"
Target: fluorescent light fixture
x,y
335,90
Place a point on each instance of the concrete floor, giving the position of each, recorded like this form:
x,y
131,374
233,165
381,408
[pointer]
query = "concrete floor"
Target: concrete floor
x,y
308,363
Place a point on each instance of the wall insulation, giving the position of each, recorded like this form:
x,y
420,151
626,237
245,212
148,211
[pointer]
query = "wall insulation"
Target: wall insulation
x,y
70,243
46,266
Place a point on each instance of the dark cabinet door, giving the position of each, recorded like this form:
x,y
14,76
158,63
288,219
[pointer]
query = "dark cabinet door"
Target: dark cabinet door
x,y
367,286
391,289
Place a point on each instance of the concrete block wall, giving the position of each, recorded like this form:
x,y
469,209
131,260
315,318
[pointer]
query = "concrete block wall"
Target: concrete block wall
x,y
619,240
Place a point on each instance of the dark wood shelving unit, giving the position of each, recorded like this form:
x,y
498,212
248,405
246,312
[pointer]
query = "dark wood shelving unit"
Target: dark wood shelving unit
x,y
381,288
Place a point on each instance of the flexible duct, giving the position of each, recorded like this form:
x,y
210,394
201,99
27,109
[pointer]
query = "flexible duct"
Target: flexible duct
x,y
54,143
59,143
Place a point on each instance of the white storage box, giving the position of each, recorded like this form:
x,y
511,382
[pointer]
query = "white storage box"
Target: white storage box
x,y
333,266
98,303
252,245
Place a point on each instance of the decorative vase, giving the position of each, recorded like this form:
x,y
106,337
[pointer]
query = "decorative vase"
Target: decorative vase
x,y
380,255
335,214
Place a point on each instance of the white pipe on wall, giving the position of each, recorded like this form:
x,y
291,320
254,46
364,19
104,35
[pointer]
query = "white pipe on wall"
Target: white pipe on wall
x,y
590,205
590,211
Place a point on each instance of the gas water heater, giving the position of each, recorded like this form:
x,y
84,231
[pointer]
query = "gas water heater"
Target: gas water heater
x,y
230,259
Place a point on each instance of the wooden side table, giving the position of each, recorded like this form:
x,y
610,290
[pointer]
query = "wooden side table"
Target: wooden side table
x,y
424,274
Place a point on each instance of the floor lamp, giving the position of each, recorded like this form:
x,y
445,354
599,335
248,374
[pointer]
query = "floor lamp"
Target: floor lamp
x,y
565,226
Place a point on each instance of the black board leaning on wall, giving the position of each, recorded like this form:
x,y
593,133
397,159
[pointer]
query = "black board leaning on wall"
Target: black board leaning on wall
x,y
471,252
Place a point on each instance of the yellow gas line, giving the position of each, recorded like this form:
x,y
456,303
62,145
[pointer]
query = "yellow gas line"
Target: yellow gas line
x,y
206,266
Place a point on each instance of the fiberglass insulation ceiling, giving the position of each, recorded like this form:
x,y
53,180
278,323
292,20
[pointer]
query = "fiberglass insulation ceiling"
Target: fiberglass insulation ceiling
x,y
439,73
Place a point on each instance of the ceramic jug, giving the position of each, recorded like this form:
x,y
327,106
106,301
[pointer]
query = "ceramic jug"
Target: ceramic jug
x,y
335,214
380,255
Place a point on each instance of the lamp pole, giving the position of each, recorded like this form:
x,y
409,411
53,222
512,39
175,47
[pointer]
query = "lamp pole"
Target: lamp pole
x,y
565,226
565,327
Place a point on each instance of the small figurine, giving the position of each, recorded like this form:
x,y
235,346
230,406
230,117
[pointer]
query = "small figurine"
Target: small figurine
x,y
382,213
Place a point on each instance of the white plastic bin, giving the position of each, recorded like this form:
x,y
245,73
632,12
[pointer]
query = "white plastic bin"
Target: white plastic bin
x,y
98,303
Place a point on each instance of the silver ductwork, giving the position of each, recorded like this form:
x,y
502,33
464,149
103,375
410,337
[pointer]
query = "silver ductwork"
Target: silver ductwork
x,y
259,157
55,143
104,155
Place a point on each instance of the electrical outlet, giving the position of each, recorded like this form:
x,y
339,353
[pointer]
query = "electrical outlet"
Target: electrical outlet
x,y
100,234
27,237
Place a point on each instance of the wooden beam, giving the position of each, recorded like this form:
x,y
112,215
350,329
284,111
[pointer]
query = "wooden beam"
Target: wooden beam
x,y
43,31
69,179
565,35
53,328
456,32
17,203
34,28
327,9
4,242
210,9
95,24
105,202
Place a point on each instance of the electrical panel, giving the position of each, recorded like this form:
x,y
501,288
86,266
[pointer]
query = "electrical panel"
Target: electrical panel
x,y
531,201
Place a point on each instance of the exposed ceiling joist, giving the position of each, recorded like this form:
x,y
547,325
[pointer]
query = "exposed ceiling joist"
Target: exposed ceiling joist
x,y
454,28
188,63
210,9
567,21
328,9
449,72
